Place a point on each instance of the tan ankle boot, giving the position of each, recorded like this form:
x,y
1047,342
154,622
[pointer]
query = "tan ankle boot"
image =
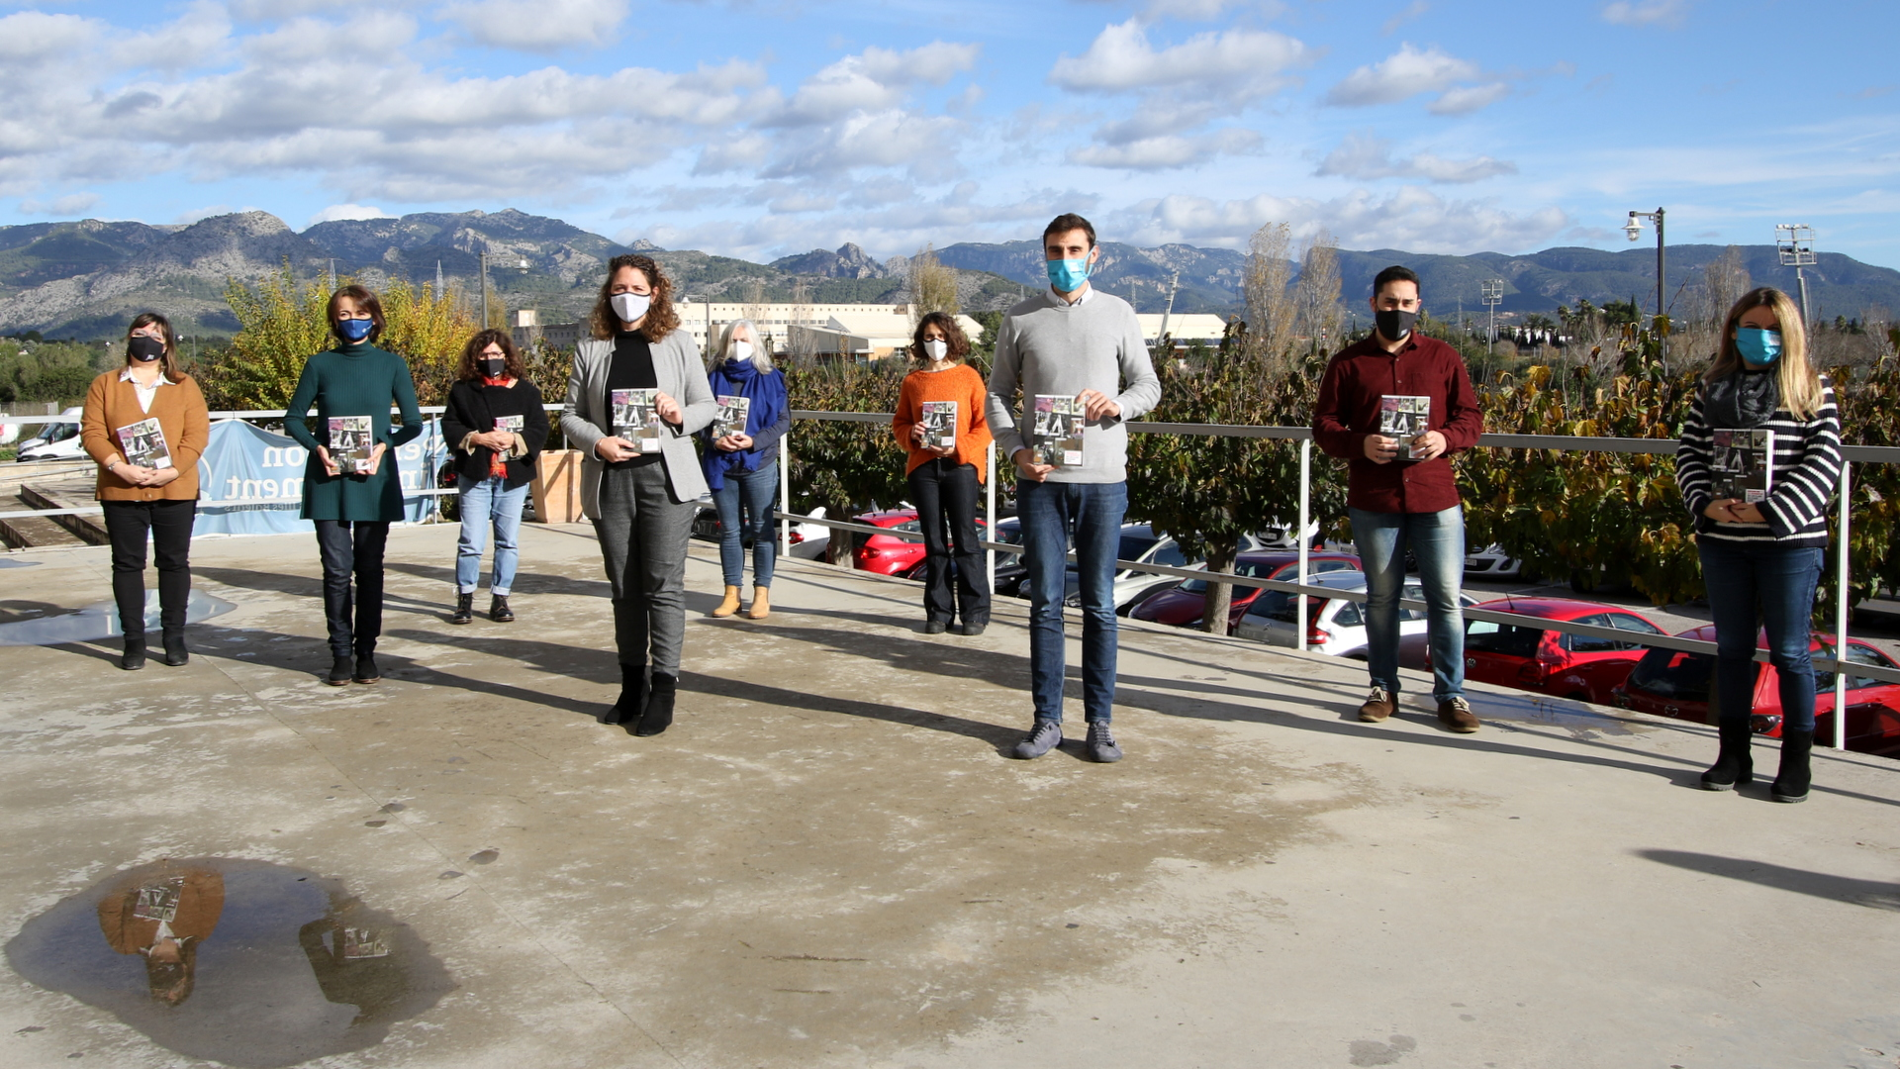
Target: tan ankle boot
x,y
730,605
761,603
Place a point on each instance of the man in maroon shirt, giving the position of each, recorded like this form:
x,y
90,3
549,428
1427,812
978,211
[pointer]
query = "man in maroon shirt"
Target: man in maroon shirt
x,y
1395,407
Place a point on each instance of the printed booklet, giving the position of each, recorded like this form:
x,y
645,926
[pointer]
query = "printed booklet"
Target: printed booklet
x,y
636,419
159,901
511,424
1058,430
940,424
732,416
1404,417
1742,464
352,443
144,445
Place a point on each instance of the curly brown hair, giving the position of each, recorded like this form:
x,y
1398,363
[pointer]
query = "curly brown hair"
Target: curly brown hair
x,y
467,370
661,318
952,335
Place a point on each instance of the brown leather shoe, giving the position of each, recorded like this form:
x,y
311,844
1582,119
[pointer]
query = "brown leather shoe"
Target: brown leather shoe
x,y
1457,716
1379,705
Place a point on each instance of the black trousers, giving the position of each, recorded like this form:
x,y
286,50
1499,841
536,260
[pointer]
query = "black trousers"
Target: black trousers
x,y
169,524
352,546
945,495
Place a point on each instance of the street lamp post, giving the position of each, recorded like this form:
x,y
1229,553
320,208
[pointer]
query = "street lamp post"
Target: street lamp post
x,y
1795,243
1491,291
1635,230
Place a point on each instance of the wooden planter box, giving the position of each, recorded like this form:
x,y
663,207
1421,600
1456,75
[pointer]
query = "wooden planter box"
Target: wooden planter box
x,y
557,486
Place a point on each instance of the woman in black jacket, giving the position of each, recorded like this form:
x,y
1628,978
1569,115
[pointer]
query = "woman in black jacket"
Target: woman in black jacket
x,y
494,426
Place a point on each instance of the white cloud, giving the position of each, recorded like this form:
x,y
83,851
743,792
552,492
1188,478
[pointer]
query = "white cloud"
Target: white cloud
x,y
1414,10
1465,99
203,31
924,144
874,80
538,25
348,211
1414,219
1168,151
1237,62
1366,158
71,204
1669,13
1404,74
35,37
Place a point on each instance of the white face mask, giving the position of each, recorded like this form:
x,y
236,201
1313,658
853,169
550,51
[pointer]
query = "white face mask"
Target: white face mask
x,y
742,350
631,306
936,350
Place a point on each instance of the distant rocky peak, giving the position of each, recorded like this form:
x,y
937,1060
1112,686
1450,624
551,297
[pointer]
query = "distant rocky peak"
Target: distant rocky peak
x,y
643,245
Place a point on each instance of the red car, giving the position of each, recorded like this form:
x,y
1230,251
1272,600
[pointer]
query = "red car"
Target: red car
x,y
1532,658
1183,605
1677,684
886,555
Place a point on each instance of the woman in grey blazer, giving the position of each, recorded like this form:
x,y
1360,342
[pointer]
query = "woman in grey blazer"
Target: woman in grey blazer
x,y
634,401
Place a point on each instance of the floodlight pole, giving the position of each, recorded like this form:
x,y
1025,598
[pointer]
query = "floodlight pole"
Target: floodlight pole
x,y
1795,243
1491,291
1635,229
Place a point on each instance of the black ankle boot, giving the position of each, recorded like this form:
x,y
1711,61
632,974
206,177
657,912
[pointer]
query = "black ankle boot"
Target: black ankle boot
x,y
498,609
633,695
340,671
175,652
366,670
658,715
464,609
1736,762
133,658
1792,782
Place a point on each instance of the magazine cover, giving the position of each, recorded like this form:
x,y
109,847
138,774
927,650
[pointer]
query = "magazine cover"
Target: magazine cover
x,y
636,419
159,901
1741,464
352,442
144,445
1404,417
732,416
360,943
1058,430
511,424
940,424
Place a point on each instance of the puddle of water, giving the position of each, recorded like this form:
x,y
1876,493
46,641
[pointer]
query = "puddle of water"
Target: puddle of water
x,y
247,963
101,620
1545,709
7,563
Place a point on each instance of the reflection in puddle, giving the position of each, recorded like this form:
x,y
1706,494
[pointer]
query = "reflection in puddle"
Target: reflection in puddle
x,y
243,962
1578,717
101,620
6,562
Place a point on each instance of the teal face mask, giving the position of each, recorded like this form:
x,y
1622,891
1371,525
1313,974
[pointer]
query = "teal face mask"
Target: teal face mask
x,y
1067,275
1759,348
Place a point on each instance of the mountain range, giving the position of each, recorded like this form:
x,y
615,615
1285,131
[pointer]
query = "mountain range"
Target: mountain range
x,y
86,279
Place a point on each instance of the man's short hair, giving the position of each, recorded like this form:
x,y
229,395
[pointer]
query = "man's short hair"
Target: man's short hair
x,y
1392,274
1066,222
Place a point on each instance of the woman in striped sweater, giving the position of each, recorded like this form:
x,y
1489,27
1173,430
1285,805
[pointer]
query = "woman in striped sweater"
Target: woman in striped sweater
x,y
1761,559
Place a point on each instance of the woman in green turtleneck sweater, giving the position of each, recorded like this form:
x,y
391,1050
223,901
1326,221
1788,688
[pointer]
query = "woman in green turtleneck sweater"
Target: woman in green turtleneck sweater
x,y
353,511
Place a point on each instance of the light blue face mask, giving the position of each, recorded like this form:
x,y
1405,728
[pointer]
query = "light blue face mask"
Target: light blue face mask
x,y
1759,348
354,330
1067,276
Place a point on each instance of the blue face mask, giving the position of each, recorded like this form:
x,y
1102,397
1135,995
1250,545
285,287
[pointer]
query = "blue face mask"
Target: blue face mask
x,y
1067,275
354,330
1759,348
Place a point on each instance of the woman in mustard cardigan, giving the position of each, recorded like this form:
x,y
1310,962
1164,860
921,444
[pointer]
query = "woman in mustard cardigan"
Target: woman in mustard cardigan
x,y
146,424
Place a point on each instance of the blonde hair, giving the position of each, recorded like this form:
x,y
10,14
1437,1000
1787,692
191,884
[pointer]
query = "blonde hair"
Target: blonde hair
x,y
1800,385
761,359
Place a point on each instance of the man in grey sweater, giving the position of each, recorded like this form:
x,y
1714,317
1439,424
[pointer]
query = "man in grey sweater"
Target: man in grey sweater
x,y
1070,343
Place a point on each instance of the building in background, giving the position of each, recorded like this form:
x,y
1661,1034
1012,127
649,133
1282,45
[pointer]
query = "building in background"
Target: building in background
x,y
863,331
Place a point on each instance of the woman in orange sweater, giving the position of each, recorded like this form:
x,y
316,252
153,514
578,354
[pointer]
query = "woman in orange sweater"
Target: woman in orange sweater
x,y
146,425
940,421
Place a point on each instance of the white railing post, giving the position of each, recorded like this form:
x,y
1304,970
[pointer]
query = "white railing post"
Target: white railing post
x,y
1306,504
1840,620
785,490
989,511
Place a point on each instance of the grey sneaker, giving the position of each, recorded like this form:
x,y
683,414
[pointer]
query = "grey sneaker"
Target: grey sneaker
x,y
1045,736
1101,744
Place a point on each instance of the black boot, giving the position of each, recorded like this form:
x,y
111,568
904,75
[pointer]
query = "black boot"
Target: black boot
x,y
340,671
1736,762
1792,782
366,670
658,715
498,609
133,658
175,652
633,695
464,609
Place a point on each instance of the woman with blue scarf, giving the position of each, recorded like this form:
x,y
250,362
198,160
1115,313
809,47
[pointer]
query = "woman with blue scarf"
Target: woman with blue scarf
x,y
741,464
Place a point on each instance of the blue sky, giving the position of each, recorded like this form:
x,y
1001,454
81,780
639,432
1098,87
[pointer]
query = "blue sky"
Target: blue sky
x,y
757,128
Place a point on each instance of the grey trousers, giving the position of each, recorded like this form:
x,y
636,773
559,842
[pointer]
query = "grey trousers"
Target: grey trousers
x,y
643,535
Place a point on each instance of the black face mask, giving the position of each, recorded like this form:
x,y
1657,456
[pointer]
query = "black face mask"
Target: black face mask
x,y
494,368
1394,325
145,349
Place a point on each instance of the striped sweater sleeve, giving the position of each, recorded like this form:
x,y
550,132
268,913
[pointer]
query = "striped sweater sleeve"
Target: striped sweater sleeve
x,y
1797,504
1692,461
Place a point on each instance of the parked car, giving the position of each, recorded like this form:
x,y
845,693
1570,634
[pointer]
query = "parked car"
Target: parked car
x,y
1537,659
706,527
56,441
887,555
1492,563
1334,626
1183,605
1678,684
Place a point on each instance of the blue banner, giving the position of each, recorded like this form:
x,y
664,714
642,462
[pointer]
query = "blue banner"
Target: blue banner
x,y
260,474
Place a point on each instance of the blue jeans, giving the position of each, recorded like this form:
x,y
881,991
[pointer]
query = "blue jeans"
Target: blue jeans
x,y
1052,515
485,504
1437,540
754,492
1742,577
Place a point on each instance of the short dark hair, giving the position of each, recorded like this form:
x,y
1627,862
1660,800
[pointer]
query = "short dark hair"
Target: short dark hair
x,y
957,346
511,355
365,300
1392,274
1066,222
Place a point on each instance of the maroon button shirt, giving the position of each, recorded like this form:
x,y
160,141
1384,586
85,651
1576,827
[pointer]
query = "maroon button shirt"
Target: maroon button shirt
x,y
1348,411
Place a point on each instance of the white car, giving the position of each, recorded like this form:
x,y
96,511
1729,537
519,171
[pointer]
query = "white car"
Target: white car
x,y
1492,563
56,441
1142,545
1334,626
